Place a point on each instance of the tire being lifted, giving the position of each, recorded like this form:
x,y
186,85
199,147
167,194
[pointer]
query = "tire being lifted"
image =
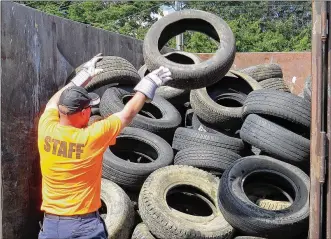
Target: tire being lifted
x,y
197,75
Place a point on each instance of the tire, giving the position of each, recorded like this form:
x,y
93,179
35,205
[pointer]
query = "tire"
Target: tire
x,y
272,205
281,105
95,111
180,57
263,71
202,127
307,89
275,84
94,118
162,118
226,116
120,214
188,138
276,141
213,160
167,223
115,70
192,76
141,232
249,218
147,146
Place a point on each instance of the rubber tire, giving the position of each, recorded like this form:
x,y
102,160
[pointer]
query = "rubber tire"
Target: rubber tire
x,y
279,104
197,75
275,84
307,89
252,220
132,175
211,159
166,223
111,102
263,71
188,138
276,141
215,114
116,70
94,118
120,213
141,232
202,127
272,205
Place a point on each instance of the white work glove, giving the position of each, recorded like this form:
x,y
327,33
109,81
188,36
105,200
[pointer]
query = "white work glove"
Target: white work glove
x,y
87,72
152,81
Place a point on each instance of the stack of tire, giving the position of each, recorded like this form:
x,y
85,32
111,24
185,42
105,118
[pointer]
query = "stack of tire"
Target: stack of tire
x,y
218,153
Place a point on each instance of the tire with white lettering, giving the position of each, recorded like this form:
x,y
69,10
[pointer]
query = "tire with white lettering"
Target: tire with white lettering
x,y
263,71
136,154
180,201
141,232
116,210
115,70
241,180
159,116
190,76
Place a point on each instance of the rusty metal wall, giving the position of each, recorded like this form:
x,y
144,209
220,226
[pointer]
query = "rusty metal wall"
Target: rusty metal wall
x,y
38,51
296,66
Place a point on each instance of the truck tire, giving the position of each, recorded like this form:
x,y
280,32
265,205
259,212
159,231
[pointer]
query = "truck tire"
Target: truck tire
x,y
119,216
263,71
281,105
205,103
129,167
213,160
274,84
196,75
249,218
276,141
141,232
159,116
115,70
168,218
188,138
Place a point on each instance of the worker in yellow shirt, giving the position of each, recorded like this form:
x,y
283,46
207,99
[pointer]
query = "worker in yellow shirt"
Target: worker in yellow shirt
x,y
71,153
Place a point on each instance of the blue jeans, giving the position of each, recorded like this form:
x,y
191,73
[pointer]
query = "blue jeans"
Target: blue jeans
x,y
85,227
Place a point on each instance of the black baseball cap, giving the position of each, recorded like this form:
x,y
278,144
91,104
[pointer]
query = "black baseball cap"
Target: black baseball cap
x,y
75,99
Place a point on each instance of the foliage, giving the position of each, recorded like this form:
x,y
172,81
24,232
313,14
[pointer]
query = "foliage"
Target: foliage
x,y
257,26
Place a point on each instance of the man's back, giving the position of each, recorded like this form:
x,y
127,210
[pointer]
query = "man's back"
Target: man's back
x,y
71,163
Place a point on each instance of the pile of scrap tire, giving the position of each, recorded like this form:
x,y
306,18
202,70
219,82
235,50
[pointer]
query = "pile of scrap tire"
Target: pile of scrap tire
x,y
218,153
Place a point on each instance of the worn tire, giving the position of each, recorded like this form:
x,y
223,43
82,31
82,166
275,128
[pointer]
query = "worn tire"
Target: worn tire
x,y
213,113
141,232
166,223
167,120
130,174
120,214
249,218
187,138
274,84
115,70
94,118
276,141
213,160
263,71
197,75
281,105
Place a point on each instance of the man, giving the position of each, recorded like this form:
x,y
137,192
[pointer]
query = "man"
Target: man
x,y
71,153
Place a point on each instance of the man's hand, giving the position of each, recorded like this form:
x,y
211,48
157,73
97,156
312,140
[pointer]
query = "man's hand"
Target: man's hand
x,y
152,81
88,71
